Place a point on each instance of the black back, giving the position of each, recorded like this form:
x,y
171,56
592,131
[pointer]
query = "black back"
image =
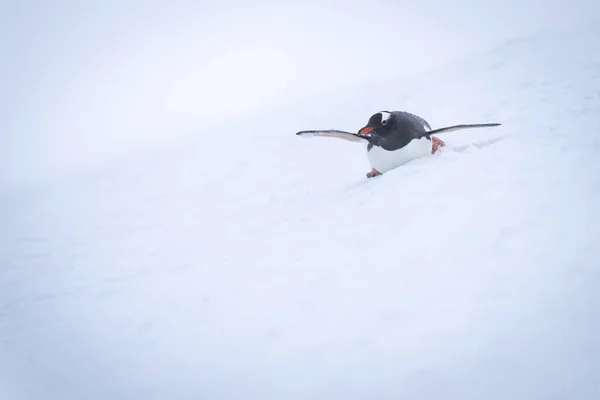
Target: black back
x,y
394,130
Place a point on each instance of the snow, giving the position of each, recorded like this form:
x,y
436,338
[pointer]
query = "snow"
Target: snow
x,y
249,263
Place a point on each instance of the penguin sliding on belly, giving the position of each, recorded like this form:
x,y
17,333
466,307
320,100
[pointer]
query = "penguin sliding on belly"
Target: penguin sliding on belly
x,y
394,138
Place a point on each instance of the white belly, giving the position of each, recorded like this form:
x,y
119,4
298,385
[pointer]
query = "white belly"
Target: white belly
x,y
384,160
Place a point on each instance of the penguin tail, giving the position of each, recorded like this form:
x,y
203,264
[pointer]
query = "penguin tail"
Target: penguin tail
x,y
459,127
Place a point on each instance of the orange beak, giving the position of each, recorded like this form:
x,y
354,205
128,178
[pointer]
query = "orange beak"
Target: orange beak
x,y
365,130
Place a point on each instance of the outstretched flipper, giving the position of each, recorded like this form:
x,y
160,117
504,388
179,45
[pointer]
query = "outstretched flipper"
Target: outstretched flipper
x,y
352,137
459,127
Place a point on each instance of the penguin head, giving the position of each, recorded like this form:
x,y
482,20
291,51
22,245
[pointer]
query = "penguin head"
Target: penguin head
x,y
380,124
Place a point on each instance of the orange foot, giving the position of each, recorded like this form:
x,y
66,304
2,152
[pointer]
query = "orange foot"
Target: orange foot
x,y
436,144
373,173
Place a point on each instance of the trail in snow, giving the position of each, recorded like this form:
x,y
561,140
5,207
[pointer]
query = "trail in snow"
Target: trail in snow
x,y
276,270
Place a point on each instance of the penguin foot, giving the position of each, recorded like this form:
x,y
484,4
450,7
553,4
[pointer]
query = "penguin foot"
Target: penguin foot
x,y
373,173
436,144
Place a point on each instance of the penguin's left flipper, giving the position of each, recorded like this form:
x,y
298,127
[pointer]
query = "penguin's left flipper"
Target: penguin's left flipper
x,y
352,137
459,127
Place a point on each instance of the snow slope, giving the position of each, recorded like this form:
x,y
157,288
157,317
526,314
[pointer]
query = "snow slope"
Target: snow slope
x,y
250,263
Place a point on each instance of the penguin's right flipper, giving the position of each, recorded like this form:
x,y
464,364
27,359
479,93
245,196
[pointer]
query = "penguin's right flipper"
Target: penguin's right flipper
x,y
352,137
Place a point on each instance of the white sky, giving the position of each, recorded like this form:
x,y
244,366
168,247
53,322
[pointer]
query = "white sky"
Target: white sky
x,y
84,80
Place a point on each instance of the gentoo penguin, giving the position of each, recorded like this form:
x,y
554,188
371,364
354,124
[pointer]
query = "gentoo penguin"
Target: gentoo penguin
x,y
394,138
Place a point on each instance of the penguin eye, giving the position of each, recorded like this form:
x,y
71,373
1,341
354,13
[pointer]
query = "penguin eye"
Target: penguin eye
x,y
385,117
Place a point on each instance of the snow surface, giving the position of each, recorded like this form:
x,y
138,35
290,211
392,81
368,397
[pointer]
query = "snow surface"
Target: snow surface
x,y
275,270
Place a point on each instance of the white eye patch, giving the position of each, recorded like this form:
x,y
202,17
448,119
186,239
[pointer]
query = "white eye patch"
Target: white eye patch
x,y
385,116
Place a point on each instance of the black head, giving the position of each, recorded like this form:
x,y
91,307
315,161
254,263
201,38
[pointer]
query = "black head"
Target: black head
x,y
390,131
380,124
